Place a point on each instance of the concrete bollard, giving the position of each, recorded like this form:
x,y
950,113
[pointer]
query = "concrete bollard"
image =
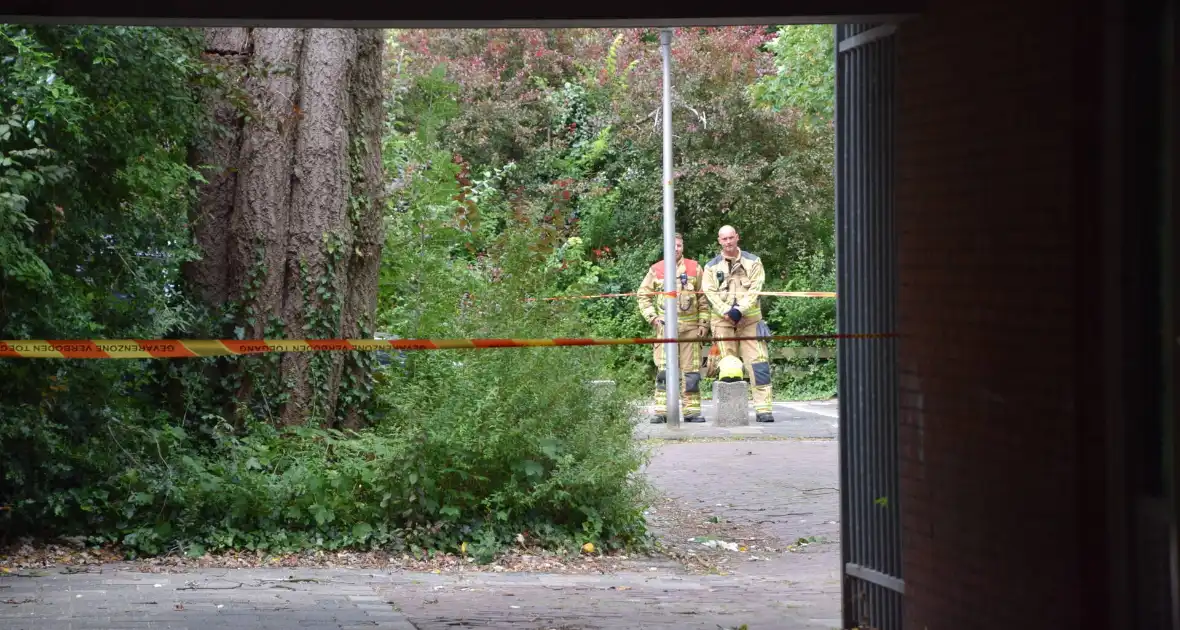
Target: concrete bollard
x,y
731,400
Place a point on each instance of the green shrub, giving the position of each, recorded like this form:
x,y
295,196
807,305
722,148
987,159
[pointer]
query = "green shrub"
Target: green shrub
x,y
509,440
478,470
95,197
516,440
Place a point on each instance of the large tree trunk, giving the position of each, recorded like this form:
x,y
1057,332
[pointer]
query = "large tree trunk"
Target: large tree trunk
x,y
290,221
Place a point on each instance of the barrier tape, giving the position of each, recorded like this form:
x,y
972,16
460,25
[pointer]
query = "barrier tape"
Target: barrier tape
x,y
192,348
602,295
817,294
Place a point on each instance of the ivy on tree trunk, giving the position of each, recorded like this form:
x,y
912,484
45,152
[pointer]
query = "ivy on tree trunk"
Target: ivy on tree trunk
x,y
290,219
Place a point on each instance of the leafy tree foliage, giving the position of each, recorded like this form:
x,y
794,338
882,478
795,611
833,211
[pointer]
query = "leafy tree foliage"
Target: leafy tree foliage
x,y
93,229
804,77
569,120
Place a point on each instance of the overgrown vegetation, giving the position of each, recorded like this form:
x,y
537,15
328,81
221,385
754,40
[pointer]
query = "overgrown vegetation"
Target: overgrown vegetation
x,y
519,164
568,120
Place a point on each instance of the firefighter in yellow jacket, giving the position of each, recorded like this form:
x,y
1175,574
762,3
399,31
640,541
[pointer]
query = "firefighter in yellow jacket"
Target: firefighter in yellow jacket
x,y
693,323
731,284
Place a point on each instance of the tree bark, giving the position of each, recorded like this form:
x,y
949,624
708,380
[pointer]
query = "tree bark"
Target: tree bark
x,y
290,221
229,50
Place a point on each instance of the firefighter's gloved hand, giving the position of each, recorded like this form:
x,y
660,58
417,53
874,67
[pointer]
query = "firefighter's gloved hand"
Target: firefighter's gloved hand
x,y
657,321
735,315
703,330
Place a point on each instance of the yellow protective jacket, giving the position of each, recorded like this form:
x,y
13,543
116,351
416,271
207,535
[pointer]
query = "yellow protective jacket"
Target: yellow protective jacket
x,y
693,309
734,282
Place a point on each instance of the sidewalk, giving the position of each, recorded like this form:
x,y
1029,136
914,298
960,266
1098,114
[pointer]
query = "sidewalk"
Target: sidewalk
x,y
808,420
321,599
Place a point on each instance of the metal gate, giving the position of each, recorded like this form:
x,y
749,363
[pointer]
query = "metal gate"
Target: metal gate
x,y
867,281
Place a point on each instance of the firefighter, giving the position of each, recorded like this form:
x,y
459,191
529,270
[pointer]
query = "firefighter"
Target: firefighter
x,y
693,323
732,282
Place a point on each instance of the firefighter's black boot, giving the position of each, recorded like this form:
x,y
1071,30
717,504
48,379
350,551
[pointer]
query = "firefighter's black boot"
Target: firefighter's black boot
x,y
765,416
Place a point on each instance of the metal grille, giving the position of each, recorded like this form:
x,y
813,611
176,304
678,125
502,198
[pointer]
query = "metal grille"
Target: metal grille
x,y
867,281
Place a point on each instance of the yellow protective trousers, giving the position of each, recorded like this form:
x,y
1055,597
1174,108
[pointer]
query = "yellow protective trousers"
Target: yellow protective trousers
x,y
690,371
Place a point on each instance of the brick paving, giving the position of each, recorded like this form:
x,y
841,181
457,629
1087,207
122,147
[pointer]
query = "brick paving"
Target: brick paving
x,y
790,488
814,420
786,487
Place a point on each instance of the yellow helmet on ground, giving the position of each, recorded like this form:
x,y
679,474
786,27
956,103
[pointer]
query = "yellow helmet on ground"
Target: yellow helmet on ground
x,y
730,369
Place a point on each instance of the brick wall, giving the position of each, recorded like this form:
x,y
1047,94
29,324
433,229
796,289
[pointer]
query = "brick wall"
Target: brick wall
x,y
994,208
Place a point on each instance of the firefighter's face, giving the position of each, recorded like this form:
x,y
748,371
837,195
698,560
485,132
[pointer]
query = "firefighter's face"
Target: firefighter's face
x,y
728,238
679,248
